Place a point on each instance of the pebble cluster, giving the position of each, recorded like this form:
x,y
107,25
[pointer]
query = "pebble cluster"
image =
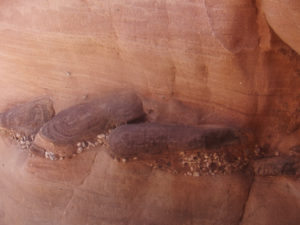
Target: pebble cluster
x,y
201,163
124,160
23,141
25,144
85,145
81,146
194,163
52,156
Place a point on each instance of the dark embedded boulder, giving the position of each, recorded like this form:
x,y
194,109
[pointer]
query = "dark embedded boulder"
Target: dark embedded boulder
x,y
133,139
26,119
85,121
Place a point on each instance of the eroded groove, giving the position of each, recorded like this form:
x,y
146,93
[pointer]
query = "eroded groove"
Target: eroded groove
x,y
247,199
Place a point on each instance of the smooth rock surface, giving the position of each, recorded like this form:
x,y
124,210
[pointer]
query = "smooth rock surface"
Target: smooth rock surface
x,y
273,201
94,189
284,16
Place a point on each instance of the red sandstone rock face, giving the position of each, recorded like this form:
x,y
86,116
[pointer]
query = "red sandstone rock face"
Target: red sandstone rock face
x,y
233,62
283,16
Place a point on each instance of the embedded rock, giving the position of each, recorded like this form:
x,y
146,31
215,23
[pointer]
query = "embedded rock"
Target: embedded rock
x,y
84,121
275,166
154,138
228,62
26,119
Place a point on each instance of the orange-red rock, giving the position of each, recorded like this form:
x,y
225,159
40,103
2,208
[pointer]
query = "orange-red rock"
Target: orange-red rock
x,y
211,61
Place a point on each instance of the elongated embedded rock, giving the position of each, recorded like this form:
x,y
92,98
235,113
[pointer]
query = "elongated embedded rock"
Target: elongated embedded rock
x,y
274,166
83,122
154,138
26,119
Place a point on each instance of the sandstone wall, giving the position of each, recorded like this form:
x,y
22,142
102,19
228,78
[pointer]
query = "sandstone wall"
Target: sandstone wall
x,y
195,61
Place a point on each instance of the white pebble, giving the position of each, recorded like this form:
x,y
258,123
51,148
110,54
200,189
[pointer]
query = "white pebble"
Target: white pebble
x,y
79,150
100,136
91,144
50,155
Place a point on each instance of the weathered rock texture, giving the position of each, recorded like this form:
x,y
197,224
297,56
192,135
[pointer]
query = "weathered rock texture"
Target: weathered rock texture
x,y
204,61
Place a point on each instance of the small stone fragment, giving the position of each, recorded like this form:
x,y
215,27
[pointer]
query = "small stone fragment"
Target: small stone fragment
x,y
196,174
91,144
100,136
79,150
50,155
